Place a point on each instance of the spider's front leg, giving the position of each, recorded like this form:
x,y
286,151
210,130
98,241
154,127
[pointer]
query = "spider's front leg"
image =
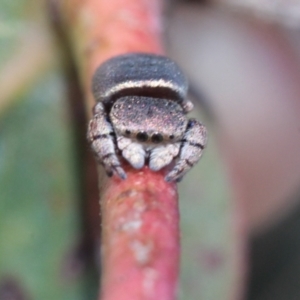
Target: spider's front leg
x,y
193,143
102,139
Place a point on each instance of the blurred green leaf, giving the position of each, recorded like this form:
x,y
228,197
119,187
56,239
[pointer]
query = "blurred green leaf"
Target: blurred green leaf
x,y
209,267
40,209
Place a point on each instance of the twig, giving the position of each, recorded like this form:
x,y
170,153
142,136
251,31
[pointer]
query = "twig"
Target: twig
x,y
140,231
140,238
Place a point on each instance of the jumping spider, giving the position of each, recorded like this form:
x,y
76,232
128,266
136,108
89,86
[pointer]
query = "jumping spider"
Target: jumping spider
x,y
141,115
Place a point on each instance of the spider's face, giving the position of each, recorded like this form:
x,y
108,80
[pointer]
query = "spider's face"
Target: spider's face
x,y
147,120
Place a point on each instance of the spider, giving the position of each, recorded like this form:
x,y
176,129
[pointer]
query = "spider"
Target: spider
x,y
140,115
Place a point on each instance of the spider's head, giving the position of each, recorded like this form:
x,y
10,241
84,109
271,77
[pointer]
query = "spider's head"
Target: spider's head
x,y
148,120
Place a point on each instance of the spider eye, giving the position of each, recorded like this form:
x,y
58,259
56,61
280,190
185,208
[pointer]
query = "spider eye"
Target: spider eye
x,y
171,137
142,136
191,123
157,138
127,132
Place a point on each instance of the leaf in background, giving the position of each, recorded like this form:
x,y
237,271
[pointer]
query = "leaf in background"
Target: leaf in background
x,y
40,218
211,253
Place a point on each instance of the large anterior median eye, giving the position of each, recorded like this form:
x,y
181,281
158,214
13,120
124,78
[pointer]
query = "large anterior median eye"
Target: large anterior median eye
x,y
142,136
157,138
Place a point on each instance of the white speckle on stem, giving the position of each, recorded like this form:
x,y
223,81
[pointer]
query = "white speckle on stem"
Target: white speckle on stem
x,y
132,225
142,251
150,277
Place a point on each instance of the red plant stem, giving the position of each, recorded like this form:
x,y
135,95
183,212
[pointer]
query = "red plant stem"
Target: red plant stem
x,y
140,238
140,220
100,29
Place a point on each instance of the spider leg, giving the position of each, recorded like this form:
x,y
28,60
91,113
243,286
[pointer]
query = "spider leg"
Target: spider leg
x,y
102,139
192,145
